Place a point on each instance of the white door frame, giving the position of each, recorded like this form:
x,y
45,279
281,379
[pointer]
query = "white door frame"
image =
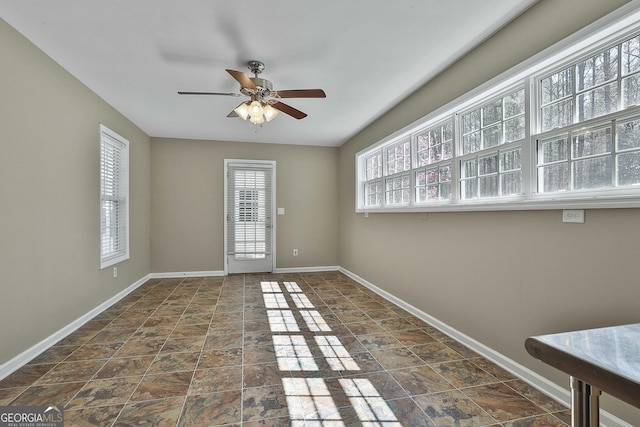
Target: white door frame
x,y
272,164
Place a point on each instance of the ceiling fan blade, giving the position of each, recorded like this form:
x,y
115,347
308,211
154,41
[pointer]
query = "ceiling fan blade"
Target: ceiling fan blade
x,y
243,79
287,109
208,93
302,93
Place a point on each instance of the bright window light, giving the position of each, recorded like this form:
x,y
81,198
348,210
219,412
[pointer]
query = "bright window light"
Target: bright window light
x,y
282,321
292,287
336,355
309,400
293,353
301,301
368,404
270,287
275,301
314,320
310,403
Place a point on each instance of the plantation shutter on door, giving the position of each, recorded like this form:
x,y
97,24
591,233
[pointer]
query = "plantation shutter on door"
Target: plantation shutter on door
x,y
249,219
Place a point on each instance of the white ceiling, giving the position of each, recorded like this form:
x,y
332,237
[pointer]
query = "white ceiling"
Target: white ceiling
x,y
367,55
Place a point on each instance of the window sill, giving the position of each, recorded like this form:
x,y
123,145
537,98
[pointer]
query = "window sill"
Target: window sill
x,y
538,202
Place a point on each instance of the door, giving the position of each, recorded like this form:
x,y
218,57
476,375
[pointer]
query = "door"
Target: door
x,y
249,216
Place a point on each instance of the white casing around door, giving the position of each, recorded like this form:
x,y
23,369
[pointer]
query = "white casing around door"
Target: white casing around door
x,y
249,215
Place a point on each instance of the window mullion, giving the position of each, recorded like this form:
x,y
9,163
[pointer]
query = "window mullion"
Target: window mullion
x,y
527,149
456,162
412,170
614,151
619,81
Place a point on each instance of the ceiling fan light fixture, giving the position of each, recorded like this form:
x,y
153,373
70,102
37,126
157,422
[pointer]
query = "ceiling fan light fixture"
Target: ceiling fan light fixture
x,y
242,110
257,120
256,109
270,113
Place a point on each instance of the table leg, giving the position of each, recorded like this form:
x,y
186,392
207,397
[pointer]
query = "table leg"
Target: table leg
x,y
585,404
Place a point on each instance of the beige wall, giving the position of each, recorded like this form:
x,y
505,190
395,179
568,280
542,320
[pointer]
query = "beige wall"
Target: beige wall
x,y
498,277
49,215
187,215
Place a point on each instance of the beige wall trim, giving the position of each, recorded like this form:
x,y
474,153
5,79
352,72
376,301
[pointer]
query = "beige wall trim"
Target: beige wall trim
x,y
541,383
26,356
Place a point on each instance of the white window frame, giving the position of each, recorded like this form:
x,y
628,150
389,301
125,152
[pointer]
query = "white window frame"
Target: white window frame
x,y
373,180
614,28
114,234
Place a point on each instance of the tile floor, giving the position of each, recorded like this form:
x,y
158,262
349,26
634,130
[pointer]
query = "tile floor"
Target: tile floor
x,y
311,349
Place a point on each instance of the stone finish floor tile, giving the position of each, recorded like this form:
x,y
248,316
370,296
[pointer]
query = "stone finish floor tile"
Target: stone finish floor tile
x,y
161,413
96,416
421,380
106,392
453,408
212,409
463,373
161,386
502,402
214,380
216,351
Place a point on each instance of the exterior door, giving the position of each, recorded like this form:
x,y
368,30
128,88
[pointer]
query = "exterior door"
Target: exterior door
x,y
249,216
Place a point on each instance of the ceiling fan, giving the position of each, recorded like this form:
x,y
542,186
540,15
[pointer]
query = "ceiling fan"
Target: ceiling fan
x,y
264,102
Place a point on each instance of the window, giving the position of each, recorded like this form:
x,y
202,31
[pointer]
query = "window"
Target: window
x,y
560,131
114,198
373,179
495,123
492,135
434,151
398,164
604,154
600,153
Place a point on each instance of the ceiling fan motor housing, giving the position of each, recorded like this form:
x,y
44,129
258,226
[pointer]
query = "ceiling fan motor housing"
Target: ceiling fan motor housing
x,y
263,88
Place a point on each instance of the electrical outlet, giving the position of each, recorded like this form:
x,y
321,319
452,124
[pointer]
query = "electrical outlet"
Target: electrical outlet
x,y
115,271
295,252
573,215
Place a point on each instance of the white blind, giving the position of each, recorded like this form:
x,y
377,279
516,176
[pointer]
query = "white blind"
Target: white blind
x,y
249,220
114,195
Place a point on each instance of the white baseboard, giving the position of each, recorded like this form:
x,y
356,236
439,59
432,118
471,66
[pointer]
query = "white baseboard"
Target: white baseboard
x,y
307,269
551,389
26,356
179,274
